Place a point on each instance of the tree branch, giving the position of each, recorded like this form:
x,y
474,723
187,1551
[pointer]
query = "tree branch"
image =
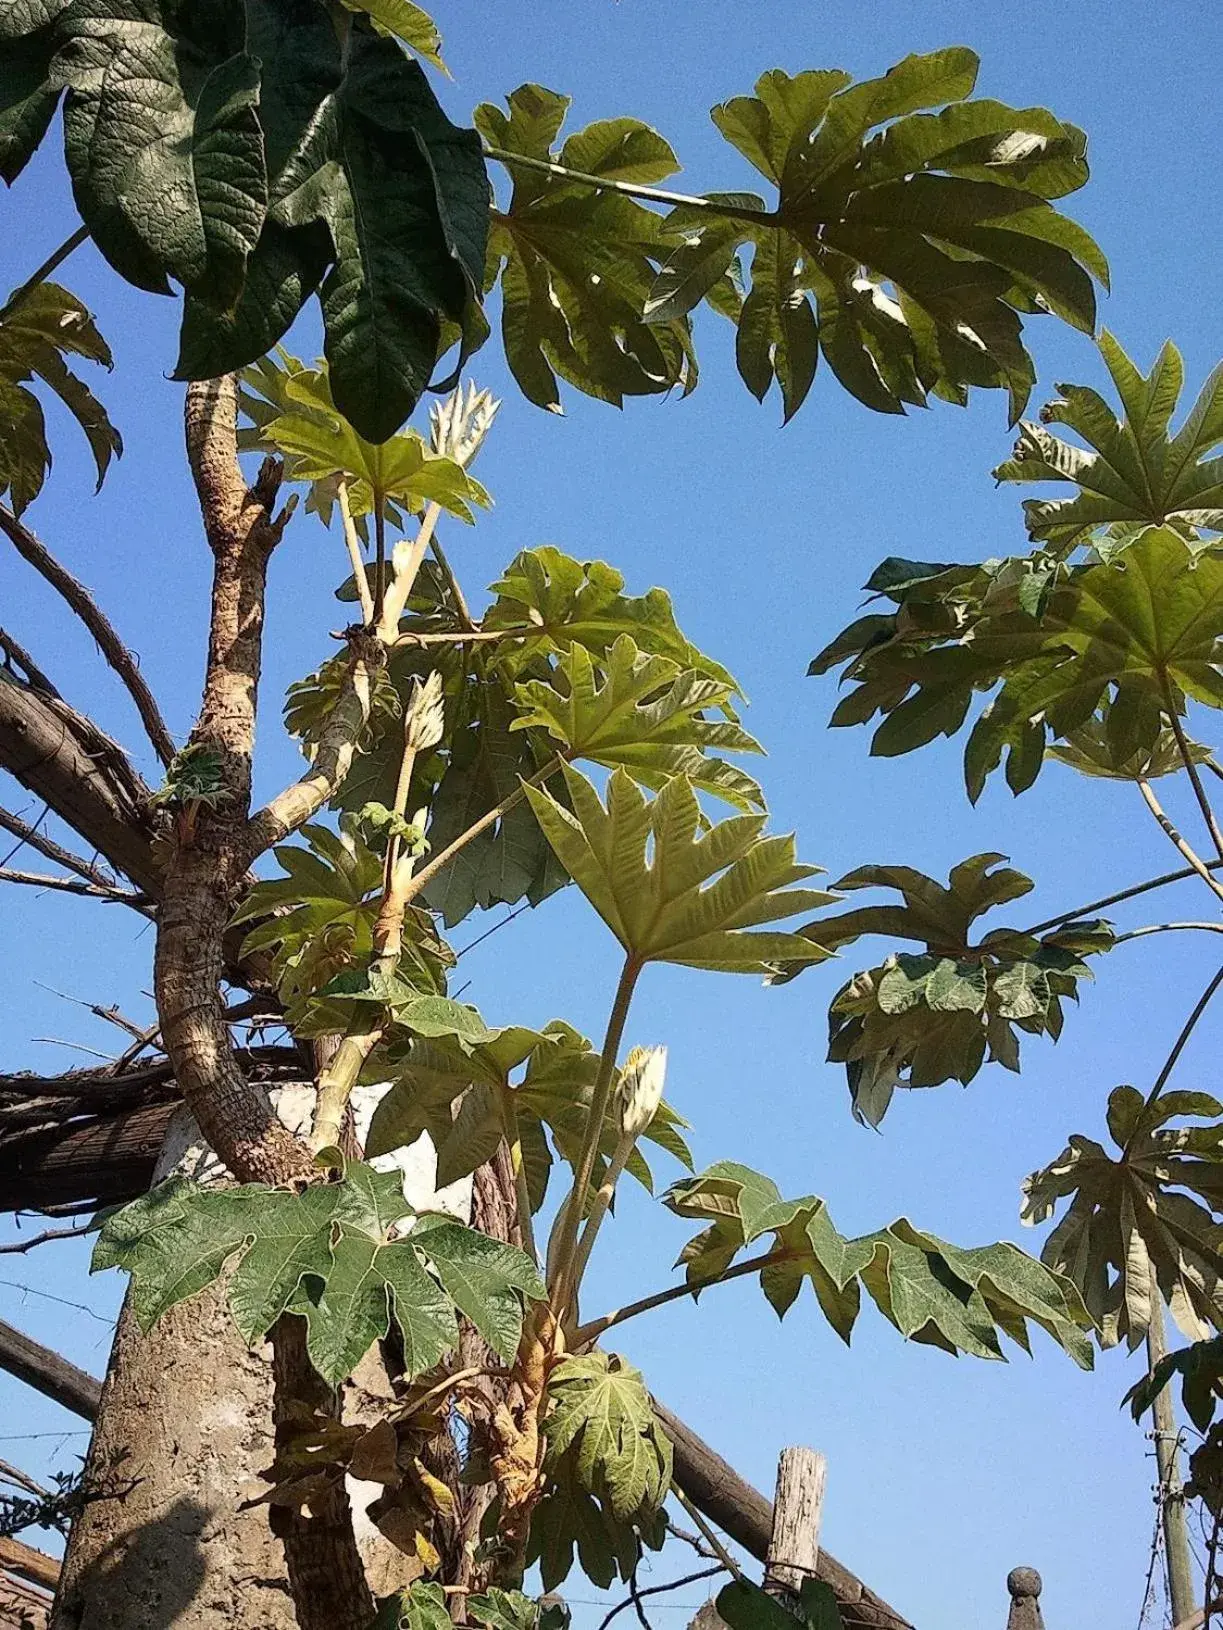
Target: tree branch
x,y
208,861
76,885
50,850
20,1247
61,759
72,590
15,652
48,1373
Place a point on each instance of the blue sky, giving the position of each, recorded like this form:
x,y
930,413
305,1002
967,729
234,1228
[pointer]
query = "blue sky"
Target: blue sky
x,y
943,1474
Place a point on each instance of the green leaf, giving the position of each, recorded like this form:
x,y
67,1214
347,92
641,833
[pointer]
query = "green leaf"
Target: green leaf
x,y
28,98
1200,1368
551,1097
920,1020
1135,471
511,1610
422,1606
319,445
569,1519
558,602
603,1423
933,1292
163,141
330,1254
905,245
576,264
1154,1208
45,326
744,1606
648,716
670,892
407,22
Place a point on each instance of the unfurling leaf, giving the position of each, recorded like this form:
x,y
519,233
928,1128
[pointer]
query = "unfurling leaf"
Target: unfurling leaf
x,y
331,1254
671,891
1152,1214
933,1292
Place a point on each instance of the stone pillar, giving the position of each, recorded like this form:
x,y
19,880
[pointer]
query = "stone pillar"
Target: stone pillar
x,y
1024,1585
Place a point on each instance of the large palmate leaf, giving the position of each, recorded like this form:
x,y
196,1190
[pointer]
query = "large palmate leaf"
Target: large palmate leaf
x,y
602,1422
424,1607
671,890
920,1020
43,327
293,414
557,602
745,1606
546,1106
331,1254
647,715
1200,1368
572,1523
1137,472
1124,639
959,1300
576,264
1147,1217
249,154
905,246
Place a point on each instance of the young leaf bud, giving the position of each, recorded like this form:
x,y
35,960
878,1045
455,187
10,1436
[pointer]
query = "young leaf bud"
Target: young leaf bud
x,y
423,713
461,422
640,1090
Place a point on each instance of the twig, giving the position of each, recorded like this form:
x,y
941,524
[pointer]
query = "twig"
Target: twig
x,y
20,1247
15,652
635,1598
99,625
111,1015
1174,836
452,583
658,1590
47,847
711,1539
53,262
74,885
652,195
14,1475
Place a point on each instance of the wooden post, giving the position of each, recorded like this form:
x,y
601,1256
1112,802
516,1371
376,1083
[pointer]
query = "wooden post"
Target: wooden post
x,y
1024,1585
794,1548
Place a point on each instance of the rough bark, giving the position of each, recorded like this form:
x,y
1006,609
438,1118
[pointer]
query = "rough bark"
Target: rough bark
x,y
57,756
207,865
182,1433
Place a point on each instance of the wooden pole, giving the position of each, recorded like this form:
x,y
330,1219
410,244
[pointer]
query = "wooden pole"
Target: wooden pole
x,y
798,1505
48,1373
746,1515
1182,1598
27,1563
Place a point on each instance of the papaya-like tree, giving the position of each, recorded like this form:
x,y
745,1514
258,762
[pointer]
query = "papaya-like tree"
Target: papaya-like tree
x,y
257,155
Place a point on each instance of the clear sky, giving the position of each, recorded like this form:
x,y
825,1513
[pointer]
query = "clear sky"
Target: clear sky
x,y
944,1474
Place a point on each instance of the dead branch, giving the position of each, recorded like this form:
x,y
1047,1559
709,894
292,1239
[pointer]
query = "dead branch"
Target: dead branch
x,y
77,885
50,850
20,1247
14,652
124,663
47,1372
46,746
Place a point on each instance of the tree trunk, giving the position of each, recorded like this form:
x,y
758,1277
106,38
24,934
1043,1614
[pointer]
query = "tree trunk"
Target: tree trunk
x,y
184,1428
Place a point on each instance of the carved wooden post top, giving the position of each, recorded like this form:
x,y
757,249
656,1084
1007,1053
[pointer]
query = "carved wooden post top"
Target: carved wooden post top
x,y
1024,1585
